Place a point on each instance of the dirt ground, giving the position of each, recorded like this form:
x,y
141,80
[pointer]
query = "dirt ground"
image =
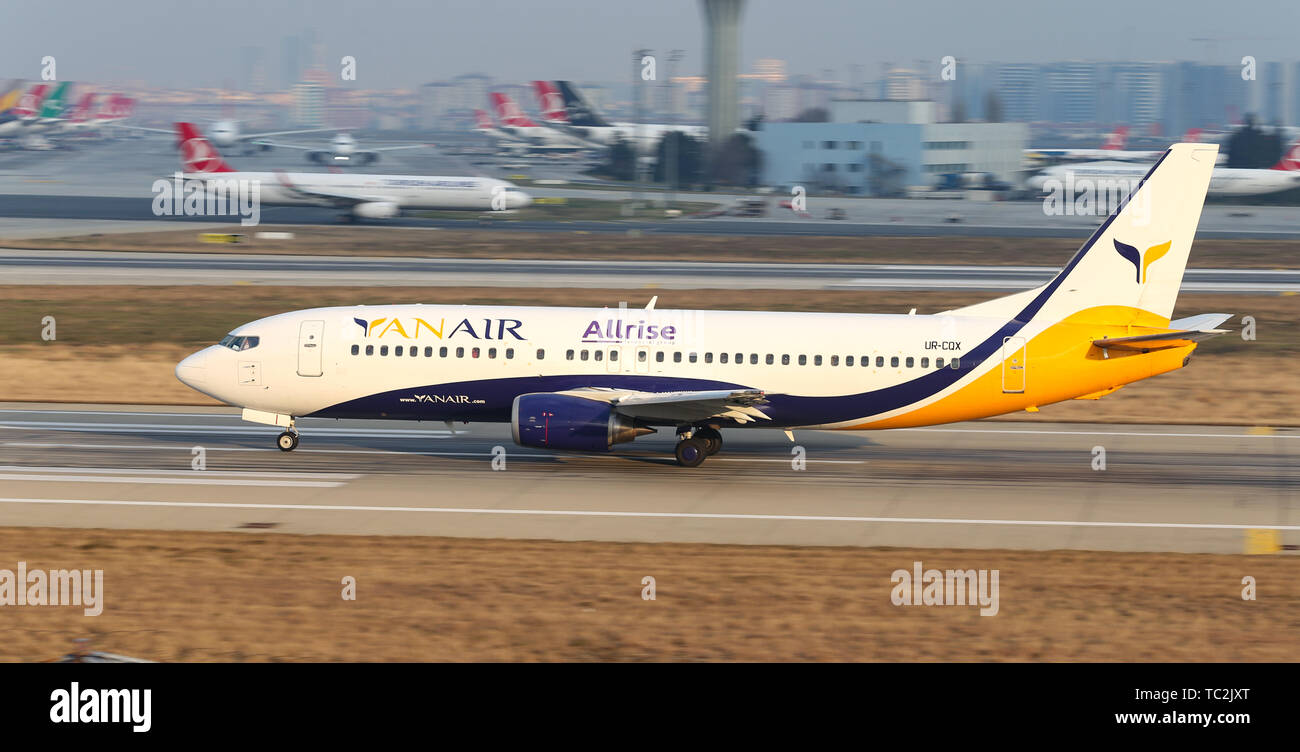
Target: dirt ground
x,y
179,596
422,242
132,338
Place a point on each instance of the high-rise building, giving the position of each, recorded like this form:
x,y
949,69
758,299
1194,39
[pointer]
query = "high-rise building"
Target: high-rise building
x,y
1018,92
309,104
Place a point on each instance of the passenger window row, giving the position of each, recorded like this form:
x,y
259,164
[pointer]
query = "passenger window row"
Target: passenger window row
x,y
413,351
863,361
492,353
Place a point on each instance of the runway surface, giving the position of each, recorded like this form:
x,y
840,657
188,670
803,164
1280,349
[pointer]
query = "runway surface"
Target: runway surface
x,y
974,485
922,218
111,267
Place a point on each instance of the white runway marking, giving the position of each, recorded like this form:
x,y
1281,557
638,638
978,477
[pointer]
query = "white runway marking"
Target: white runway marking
x,y
368,433
486,454
662,515
152,471
1108,433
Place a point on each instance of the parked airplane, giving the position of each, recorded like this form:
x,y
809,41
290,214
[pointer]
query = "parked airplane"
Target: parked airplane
x,y
582,120
30,105
1224,181
586,379
343,149
519,128
1111,150
367,196
227,134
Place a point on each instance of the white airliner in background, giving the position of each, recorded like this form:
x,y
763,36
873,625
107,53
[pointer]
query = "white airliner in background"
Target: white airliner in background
x,y
343,149
517,132
227,134
367,196
1224,181
562,105
586,379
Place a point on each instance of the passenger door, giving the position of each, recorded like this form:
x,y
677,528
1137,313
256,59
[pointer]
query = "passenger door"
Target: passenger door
x,y
311,346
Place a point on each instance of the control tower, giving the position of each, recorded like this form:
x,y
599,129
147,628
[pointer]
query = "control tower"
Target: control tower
x,y
723,56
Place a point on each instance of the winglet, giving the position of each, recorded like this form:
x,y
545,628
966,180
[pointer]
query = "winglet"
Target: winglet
x,y
651,305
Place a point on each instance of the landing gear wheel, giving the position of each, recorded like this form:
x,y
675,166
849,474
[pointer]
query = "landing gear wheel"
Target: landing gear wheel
x,y
691,452
287,441
712,438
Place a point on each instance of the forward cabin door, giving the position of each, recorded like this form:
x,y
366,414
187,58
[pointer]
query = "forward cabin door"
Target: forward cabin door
x,y
311,344
1013,365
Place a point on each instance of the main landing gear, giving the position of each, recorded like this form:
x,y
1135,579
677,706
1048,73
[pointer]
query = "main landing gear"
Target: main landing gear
x,y
694,445
287,441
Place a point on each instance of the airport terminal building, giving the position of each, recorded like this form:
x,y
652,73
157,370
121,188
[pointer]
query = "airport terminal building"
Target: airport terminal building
x,y
887,147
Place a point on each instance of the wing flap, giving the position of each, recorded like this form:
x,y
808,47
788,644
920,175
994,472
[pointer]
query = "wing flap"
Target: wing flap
x,y
740,405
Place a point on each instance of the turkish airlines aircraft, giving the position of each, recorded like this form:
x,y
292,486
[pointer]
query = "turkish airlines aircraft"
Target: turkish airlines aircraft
x,y
585,379
519,127
1224,181
368,196
1111,150
582,120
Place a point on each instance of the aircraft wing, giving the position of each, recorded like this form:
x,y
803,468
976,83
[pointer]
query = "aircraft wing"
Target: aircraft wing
x,y
168,131
740,405
1185,331
279,145
247,136
334,198
406,146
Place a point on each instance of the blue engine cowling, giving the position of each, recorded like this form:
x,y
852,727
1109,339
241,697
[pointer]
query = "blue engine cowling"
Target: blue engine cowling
x,y
561,421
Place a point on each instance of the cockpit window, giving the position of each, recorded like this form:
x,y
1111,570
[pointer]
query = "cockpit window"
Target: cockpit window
x,y
239,344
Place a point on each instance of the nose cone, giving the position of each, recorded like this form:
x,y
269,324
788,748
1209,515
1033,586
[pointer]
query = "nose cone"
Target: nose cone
x,y
518,200
192,371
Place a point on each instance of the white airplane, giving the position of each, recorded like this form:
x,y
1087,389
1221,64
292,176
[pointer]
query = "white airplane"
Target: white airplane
x,y
519,129
563,105
1112,150
227,134
366,196
343,149
585,379
1224,181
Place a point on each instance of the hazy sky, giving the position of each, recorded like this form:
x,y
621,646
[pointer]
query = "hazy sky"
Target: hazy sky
x,y
406,43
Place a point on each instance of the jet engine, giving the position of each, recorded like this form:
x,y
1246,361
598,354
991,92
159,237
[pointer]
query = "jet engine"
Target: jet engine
x,y
376,210
560,421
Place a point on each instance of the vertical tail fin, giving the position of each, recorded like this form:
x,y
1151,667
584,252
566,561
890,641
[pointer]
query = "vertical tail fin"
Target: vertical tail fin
x,y
508,112
483,122
1290,161
81,111
551,102
1116,140
577,109
1131,268
197,155
30,103
52,107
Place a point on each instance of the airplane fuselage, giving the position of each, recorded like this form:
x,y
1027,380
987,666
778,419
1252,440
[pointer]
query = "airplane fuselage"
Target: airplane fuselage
x,y
841,371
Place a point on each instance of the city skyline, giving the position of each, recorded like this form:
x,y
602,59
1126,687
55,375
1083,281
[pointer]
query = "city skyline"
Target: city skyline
x,y
404,44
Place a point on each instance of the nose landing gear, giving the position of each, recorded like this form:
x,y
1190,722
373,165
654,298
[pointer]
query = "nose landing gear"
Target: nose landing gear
x,y
287,441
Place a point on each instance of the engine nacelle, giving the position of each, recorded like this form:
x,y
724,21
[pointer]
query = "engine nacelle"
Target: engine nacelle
x,y
560,421
376,210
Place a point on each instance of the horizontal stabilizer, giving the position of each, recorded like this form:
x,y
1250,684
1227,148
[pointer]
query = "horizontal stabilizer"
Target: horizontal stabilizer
x,y
1185,332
